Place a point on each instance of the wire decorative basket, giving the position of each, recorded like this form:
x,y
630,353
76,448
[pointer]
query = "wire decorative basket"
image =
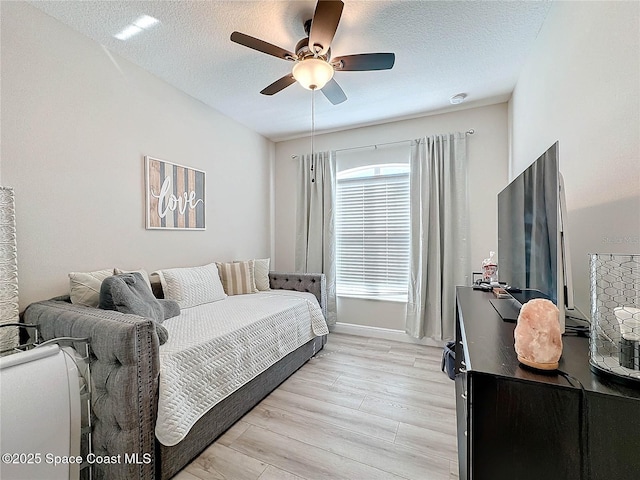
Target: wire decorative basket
x,y
614,345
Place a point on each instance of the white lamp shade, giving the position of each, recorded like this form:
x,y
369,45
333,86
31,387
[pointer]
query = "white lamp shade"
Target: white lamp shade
x,y
9,307
312,73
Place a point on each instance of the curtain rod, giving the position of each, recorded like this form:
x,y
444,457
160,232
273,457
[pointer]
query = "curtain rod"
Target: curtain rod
x,y
376,145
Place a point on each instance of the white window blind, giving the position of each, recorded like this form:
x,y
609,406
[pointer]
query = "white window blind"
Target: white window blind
x,y
372,226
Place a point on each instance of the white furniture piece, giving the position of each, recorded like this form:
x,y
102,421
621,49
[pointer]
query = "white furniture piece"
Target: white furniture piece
x,y
40,407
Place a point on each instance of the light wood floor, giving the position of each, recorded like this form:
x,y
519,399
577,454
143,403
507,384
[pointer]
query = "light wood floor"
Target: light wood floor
x,y
362,409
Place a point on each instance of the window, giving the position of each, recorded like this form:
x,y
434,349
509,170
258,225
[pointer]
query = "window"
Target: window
x,y
372,230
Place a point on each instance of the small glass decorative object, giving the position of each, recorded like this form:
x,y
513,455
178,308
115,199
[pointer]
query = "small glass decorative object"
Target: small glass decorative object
x,y
614,346
490,268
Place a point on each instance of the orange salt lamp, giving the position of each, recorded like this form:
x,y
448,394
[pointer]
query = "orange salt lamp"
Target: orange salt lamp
x,y
538,340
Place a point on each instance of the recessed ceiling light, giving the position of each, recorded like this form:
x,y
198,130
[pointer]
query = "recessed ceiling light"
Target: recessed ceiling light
x,y
144,22
459,98
128,32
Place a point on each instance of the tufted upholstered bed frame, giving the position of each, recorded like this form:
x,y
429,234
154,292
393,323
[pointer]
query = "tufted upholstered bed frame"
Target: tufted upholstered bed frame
x,y
125,370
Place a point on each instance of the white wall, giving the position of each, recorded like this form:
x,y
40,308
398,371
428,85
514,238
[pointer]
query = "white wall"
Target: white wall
x,y
488,160
581,86
76,124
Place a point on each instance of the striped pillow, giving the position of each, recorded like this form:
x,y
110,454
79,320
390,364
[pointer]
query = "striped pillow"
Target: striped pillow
x,y
237,278
260,273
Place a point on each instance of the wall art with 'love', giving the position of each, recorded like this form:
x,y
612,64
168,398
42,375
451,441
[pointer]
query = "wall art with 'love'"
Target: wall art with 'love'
x,y
175,196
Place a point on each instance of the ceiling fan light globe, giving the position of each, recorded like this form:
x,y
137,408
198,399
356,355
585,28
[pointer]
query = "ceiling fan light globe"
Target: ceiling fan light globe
x,y
312,73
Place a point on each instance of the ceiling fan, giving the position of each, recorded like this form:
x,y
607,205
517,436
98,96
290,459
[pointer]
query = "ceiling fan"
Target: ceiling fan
x,y
314,67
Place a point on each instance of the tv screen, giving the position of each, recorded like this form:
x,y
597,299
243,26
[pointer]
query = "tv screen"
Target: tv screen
x,y
528,238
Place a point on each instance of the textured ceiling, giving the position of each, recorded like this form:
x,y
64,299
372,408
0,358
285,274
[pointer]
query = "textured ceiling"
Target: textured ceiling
x,y
442,48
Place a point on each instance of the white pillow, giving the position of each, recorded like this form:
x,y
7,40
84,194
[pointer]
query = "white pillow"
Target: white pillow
x,y
85,287
261,273
192,286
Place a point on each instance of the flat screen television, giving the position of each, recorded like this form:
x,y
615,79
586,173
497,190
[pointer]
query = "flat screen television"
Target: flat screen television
x,y
533,252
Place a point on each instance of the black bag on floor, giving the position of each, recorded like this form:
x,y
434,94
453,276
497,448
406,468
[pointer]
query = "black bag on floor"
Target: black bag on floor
x,y
449,360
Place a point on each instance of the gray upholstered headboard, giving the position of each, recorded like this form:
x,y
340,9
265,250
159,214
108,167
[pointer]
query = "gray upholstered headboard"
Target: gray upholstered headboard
x,y
315,283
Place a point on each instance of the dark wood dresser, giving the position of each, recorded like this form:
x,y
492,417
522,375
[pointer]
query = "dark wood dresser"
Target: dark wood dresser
x,y
518,424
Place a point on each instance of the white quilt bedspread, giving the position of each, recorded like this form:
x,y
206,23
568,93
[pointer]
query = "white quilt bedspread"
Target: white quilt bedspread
x,y
215,348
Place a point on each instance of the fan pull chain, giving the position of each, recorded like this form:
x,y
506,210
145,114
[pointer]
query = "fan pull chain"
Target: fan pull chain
x,y
313,129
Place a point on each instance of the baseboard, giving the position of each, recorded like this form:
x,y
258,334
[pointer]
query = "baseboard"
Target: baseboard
x,y
383,333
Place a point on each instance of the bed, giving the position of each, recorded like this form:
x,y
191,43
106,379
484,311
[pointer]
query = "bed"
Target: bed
x,y
130,386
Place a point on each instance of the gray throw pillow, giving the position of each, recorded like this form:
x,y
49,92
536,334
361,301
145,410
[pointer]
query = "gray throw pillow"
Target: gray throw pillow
x,y
170,307
129,293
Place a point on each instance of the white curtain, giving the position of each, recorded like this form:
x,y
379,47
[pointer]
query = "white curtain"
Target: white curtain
x,y
315,231
439,250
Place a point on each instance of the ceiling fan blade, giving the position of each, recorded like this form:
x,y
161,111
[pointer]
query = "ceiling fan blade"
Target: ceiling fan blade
x,y
278,85
334,92
261,46
364,62
324,25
